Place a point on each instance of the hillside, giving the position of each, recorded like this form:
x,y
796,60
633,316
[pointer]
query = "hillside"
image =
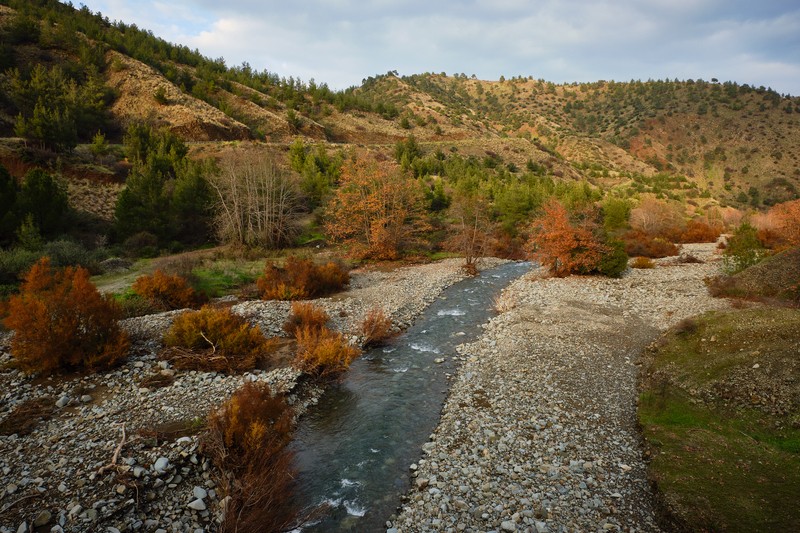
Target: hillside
x,y
705,143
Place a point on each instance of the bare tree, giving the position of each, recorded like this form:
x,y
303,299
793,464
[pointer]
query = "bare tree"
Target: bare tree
x,y
257,203
469,229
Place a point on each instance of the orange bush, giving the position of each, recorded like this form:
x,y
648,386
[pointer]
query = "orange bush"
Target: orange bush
x,y
305,314
62,322
300,279
165,291
638,243
643,262
375,328
217,340
700,231
322,352
247,440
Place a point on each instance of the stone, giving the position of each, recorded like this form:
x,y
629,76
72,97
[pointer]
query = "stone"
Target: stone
x,y
199,493
42,518
197,505
508,525
62,487
23,528
62,402
86,398
161,465
11,488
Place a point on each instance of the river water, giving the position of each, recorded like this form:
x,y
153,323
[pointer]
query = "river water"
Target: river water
x,y
353,448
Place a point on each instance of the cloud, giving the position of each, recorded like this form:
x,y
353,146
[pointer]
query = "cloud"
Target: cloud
x,y
343,41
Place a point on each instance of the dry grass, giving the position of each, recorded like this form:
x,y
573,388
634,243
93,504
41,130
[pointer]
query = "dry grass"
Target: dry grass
x,y
305,314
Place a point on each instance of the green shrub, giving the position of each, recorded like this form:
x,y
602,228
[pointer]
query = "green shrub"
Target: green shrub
x,y
614,261
744,249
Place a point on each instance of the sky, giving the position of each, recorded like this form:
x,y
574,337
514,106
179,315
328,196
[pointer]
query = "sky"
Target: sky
x,y
342,42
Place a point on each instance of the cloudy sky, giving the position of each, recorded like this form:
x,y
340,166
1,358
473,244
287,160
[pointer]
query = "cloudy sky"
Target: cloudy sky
x,y
341,42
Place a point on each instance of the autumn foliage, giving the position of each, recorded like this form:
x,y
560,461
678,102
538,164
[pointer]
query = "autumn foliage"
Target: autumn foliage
x,y
62,322
247,440
563,246
215,339
375,328
376,210
305,314
165,291
638,243
701,231
323,353
779,228
301,279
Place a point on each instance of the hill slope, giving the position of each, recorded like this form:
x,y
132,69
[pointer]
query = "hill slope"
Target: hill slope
x,y
734,143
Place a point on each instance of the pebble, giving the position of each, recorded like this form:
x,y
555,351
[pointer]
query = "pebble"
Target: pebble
x,y
197,505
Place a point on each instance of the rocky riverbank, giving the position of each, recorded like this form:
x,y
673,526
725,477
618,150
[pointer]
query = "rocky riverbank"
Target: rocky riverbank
x,y
539,431
118,453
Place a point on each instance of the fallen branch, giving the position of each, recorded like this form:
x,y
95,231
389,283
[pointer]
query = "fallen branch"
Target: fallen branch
x,y
213,347
15,502
115,457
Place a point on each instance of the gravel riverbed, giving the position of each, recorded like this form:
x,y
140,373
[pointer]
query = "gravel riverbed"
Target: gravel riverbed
x,y
60,477
539,430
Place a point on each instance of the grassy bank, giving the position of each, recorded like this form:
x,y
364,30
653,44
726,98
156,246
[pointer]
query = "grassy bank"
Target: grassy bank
x,y
720,413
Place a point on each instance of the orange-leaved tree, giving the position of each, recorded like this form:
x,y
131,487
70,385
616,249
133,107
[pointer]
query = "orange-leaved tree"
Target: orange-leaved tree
x,y
563,246
376,210
62,322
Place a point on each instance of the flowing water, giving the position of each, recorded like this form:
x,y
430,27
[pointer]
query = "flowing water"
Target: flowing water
x,y
354,448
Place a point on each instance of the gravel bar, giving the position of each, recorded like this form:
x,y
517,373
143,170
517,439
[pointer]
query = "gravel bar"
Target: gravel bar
x,y
539,431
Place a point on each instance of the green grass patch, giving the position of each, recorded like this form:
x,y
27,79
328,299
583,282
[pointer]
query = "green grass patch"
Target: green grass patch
x,y
722,472
719,411
223,277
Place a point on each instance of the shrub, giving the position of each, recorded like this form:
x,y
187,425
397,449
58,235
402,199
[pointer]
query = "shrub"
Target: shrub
x,y
300,278
375,328
638,243
700,231
165,291
62,322
247,440
744,249
305,315
322,352
14,263
214,339
614,260
643,262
